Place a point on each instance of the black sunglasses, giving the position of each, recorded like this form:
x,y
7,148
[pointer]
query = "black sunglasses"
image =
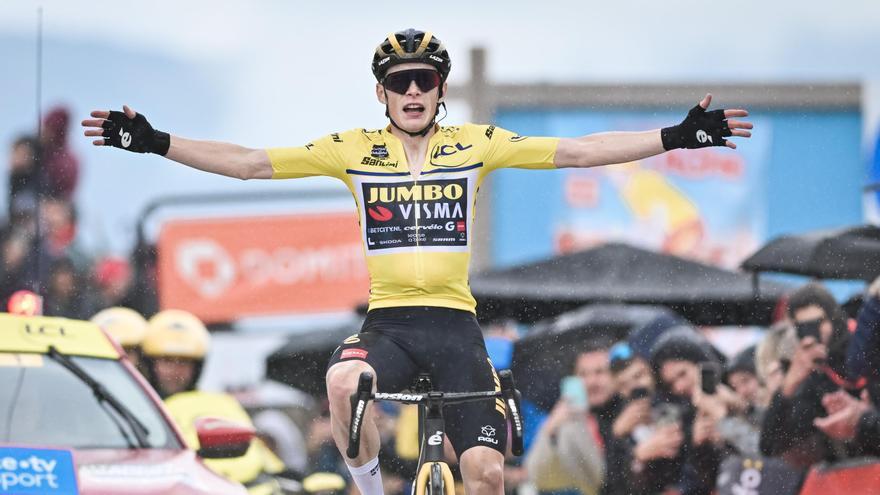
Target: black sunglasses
x,y
425,79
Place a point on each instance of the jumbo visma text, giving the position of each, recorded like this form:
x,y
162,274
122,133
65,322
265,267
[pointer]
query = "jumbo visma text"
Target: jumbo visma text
x,y
415,192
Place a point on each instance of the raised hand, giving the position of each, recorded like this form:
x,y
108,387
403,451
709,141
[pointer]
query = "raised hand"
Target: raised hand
x,y
844,412
703,128
126,130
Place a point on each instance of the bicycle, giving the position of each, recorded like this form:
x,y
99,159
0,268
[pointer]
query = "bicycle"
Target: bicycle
x,y
434,476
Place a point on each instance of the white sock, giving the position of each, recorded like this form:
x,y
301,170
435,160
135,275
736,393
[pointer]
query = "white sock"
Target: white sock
x,y
368,477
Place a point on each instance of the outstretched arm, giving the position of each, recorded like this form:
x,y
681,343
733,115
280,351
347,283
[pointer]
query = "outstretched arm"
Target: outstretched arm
x,y
698,130
130,131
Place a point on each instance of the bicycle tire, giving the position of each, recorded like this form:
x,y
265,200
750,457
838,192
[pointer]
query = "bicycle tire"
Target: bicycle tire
x,y
435,482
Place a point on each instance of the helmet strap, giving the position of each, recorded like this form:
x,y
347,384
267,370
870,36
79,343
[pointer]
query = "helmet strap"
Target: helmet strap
x,y
445,112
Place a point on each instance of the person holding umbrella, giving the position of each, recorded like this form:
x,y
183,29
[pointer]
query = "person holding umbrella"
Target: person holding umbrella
x,y
415,184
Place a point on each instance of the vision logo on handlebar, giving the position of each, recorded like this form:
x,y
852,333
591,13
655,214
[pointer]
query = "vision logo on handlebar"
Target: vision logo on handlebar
x,y
414,398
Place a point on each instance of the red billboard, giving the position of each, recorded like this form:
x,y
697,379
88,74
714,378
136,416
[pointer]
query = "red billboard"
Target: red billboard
x,y
223,269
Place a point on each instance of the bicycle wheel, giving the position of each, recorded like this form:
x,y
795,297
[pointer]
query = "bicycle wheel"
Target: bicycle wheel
x,y
434,478
435,483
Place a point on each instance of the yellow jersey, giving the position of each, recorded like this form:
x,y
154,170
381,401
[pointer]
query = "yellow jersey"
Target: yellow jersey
x,y
416,233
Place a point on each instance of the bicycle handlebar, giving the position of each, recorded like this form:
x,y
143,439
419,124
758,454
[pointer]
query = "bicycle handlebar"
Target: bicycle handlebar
x,y
359,399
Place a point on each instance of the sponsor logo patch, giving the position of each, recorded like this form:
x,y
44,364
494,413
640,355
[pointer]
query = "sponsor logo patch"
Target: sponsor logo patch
x,y
379,151
410,214
375,162
442,151
447,149
399,396
37,471
436,438
354,353
380,213
488,435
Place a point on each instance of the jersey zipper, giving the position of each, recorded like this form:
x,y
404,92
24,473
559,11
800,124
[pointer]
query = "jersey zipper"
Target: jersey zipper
x,y
420,272
419,268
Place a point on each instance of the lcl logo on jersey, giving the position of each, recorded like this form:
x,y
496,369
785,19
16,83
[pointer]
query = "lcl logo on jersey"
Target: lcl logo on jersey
x,y
446,149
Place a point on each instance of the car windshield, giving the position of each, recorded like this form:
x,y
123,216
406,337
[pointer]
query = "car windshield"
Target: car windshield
x,y
42,403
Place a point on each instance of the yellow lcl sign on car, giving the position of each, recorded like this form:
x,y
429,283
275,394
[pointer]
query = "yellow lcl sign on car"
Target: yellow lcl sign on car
x,y
35,334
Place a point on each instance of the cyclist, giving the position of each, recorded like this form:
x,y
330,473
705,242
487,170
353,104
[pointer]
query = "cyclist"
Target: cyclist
x,y
414,183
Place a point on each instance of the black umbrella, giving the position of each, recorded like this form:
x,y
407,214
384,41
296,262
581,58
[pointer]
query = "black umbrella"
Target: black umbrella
x,y
620,273
851,253
547,352
302,362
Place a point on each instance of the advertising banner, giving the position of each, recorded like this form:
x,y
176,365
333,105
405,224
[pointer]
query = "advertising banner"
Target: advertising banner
x,y
37,471
223,269
714,205
705,204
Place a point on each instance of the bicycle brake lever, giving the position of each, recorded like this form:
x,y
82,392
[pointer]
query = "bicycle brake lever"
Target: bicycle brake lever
x,y
359,401
512,401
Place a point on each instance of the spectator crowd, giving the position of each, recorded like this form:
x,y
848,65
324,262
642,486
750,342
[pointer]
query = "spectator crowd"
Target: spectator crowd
x,y
671,415
38,241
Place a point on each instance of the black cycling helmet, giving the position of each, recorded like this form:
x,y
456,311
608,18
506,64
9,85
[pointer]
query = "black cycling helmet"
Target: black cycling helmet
x,y
411,46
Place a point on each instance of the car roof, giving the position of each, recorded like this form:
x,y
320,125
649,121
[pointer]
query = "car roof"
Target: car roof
x,y
35,334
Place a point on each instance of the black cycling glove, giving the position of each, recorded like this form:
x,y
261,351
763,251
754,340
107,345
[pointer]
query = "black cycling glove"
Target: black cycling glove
x,y
135,134
698,130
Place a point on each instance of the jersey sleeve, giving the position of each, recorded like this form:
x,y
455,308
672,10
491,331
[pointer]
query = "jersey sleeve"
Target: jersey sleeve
x,y
507,149
320,157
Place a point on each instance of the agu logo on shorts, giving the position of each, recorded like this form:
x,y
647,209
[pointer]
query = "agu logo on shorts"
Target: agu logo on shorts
x,y
488,435
33,471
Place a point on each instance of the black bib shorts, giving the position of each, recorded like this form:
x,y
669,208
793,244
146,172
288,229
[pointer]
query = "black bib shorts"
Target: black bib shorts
x,y
399,343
